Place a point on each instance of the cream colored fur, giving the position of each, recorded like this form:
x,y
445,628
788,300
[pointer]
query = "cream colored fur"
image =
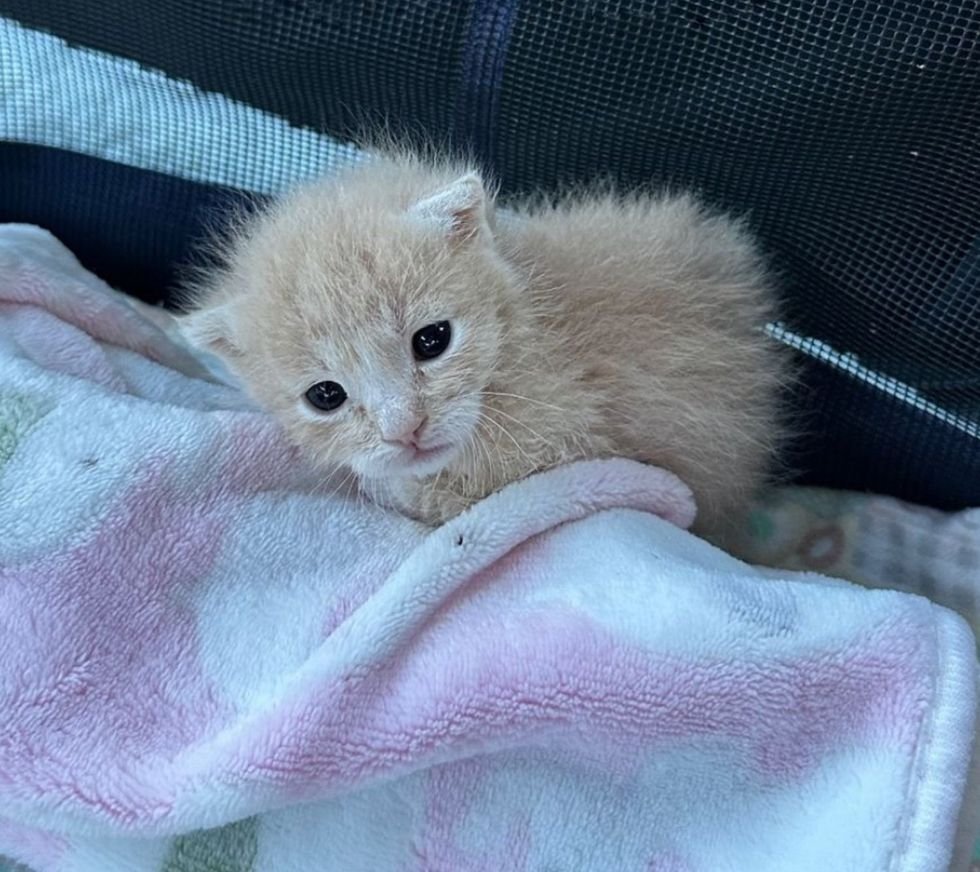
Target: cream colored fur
x,y
606,326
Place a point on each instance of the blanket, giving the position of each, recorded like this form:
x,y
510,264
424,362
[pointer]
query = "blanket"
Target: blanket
x,y
213,658
874,540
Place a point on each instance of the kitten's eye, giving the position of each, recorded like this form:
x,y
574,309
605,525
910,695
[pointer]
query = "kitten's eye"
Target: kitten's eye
x,y
326,396
432,340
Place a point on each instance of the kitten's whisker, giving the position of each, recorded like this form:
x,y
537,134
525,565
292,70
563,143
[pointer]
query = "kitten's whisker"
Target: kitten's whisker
x,y
525,399
488,449
488,478
510,436
484,443
527,427
324,473
345,482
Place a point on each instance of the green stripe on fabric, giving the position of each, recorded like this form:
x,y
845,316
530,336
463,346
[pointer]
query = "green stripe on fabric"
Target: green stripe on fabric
x,y
232,848
18,413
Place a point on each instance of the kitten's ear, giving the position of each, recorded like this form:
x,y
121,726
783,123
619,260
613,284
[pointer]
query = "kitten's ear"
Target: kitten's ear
x,y
212,329
459,210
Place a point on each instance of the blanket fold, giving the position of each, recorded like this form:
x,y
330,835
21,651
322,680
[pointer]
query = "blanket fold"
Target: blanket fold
x,y
212,658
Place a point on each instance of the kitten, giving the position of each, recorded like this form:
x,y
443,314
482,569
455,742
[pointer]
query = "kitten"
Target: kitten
x,y
397,326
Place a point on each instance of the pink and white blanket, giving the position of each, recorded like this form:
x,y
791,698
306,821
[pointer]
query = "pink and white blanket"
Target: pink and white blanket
x,y
209,659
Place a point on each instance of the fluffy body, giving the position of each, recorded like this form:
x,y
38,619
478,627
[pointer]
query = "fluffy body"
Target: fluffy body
x,y
604,326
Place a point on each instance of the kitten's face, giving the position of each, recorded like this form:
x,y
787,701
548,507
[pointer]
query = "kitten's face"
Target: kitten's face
x,y
386,383
372,344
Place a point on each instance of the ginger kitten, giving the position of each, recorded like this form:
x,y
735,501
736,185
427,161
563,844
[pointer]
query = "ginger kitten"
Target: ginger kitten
x,y
398,327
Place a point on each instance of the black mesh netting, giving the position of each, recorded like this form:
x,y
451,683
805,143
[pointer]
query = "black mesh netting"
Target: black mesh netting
x,y
850,131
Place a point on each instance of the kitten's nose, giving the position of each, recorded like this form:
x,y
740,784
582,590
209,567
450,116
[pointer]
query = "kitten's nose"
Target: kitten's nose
x,y
408,434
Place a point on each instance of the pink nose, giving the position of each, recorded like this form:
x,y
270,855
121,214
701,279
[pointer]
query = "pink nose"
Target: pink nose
x,y
409,437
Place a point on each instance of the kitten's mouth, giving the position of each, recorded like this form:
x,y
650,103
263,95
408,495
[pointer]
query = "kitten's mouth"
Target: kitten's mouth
x,y
420,460
429,453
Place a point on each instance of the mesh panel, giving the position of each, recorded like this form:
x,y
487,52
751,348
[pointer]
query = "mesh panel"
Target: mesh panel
x,y
848,131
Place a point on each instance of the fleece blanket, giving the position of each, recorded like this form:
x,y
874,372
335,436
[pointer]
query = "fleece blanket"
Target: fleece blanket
x,y
211,658
876,541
